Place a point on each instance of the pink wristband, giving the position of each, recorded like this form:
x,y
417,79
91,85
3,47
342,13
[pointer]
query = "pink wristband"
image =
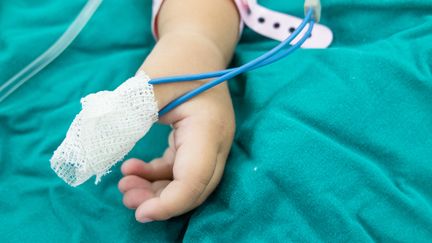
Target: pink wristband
x,y
269,23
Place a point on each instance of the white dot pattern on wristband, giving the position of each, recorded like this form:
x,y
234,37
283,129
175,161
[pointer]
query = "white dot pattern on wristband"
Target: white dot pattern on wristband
x,y
107,128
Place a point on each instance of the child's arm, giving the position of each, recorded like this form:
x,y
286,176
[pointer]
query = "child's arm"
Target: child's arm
x,y
194,36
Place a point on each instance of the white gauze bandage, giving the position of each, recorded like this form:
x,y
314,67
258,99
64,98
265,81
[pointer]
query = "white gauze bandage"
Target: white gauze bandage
x,y
107,128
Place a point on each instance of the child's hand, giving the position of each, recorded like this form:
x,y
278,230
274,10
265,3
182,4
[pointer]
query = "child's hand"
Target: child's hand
x,y
191,166
194,36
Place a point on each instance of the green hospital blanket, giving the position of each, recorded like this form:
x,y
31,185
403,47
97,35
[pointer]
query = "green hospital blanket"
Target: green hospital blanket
x,y
331,145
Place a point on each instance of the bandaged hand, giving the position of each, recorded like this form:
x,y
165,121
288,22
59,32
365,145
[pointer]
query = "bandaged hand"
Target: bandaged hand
x,y
194,36
192,165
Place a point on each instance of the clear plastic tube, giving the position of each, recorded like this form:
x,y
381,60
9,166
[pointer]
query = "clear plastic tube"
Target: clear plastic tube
x,y
52,53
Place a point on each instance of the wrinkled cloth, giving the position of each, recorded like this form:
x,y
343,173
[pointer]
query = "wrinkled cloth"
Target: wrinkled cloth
x,y
331,145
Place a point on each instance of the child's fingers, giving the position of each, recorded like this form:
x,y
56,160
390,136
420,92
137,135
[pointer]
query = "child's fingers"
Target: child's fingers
x,y
134,197
174,200
157,169
141,190
132,181
193,169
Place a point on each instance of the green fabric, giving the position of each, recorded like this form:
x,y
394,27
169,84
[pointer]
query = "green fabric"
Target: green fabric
x,y
331,145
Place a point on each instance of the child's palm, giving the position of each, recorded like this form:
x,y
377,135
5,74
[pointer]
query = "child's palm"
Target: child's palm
x,y
191,166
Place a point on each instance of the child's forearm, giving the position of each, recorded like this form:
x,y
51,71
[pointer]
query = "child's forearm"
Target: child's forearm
x,y
194,36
